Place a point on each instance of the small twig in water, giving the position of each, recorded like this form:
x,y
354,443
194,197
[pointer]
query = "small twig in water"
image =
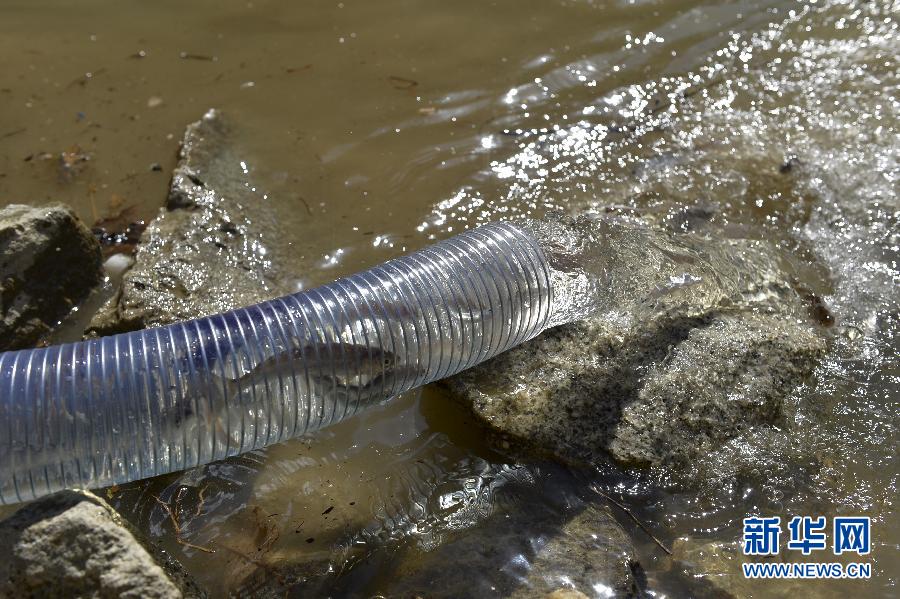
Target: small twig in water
x,y
640,524
201,500
13,132
177,527
171,514
192,546
189,56
402,82
305,204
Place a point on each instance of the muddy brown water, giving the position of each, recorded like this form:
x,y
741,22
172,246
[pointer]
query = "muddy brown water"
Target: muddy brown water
x,y
374,128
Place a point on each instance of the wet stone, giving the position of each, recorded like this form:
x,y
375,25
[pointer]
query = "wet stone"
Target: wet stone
x,y
715,569
209,250
728,375
658,385
523,531
72,544
49,262
521,555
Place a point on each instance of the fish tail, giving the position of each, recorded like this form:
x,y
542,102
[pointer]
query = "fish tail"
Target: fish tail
x,y
217,408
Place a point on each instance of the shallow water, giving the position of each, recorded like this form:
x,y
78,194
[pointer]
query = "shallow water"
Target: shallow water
x,y
373,130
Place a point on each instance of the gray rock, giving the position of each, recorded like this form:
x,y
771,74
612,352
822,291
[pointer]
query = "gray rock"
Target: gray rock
x,y
715,569
72,544
208,251
430,528
49,262
728,375
660,381
526,554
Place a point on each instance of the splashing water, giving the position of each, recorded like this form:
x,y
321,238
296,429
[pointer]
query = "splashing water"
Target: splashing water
x,y
592,262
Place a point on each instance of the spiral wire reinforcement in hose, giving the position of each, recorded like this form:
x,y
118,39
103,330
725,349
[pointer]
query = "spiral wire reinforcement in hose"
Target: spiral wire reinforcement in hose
x,y
136,405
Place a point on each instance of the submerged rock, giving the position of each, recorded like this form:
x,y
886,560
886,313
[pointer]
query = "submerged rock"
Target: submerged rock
x,y
208,251
523,548
715,569
73,544
49,262
524,554
659,380
522,530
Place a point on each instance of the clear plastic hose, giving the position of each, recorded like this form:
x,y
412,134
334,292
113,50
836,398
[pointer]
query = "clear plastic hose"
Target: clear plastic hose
x,y
141,404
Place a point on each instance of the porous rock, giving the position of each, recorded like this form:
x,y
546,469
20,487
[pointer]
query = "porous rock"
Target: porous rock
x,y
650,387
49,262
73,544
715,569
208,251
526,554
